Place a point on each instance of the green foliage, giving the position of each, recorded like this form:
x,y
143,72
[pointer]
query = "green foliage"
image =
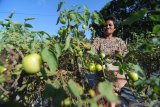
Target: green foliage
x,y
64,56
75,88
138,23
132,16
59,6
156,29
50,59
63,79
135,17
107,87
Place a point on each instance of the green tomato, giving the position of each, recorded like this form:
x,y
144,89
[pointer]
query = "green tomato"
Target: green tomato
x,y
2,69
80,53
91,28
60,31
32,63
133,75
67,101
92,67
63,20
84,26
102,55
98,67
7,23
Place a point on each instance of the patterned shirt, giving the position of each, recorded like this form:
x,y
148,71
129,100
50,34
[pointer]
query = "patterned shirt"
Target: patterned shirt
x,y
109,46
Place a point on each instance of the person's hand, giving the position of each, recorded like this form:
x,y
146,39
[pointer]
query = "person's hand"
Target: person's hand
x,y
119,51
111,67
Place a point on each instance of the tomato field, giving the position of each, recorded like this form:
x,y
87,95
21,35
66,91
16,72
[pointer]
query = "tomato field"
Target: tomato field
x,y
40,70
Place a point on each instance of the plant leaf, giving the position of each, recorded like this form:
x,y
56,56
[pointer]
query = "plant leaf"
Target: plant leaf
x,y
75,88
155,17
58,20
28,25
67,43
51,60
106,89
29,18
59,6
58,50
135,17
139,70
94,104
156,29
11,15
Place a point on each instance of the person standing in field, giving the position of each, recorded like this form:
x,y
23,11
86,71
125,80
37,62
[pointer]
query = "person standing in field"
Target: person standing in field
x,y
110,45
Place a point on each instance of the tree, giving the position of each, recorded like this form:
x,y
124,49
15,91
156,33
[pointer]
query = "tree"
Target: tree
x,y
132,15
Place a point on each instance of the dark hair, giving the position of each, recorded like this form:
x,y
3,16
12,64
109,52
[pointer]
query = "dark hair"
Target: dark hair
x,y
113,19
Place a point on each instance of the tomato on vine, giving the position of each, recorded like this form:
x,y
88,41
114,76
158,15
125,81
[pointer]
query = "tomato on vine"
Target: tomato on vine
x,y
60,31
102,55
92,67
62,20
91,28
80,53
133,75
84,26
32,63
67,101
98,67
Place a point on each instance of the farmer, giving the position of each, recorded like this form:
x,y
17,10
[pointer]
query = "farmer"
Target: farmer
x,y
109,44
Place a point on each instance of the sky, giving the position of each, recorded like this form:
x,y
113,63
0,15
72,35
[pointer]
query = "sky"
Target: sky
x,y
44,11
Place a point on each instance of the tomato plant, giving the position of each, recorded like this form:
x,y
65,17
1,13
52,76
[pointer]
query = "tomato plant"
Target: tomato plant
x,y
65,62
61,60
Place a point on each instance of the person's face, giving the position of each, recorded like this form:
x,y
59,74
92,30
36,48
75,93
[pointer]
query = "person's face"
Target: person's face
x,y
109,27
